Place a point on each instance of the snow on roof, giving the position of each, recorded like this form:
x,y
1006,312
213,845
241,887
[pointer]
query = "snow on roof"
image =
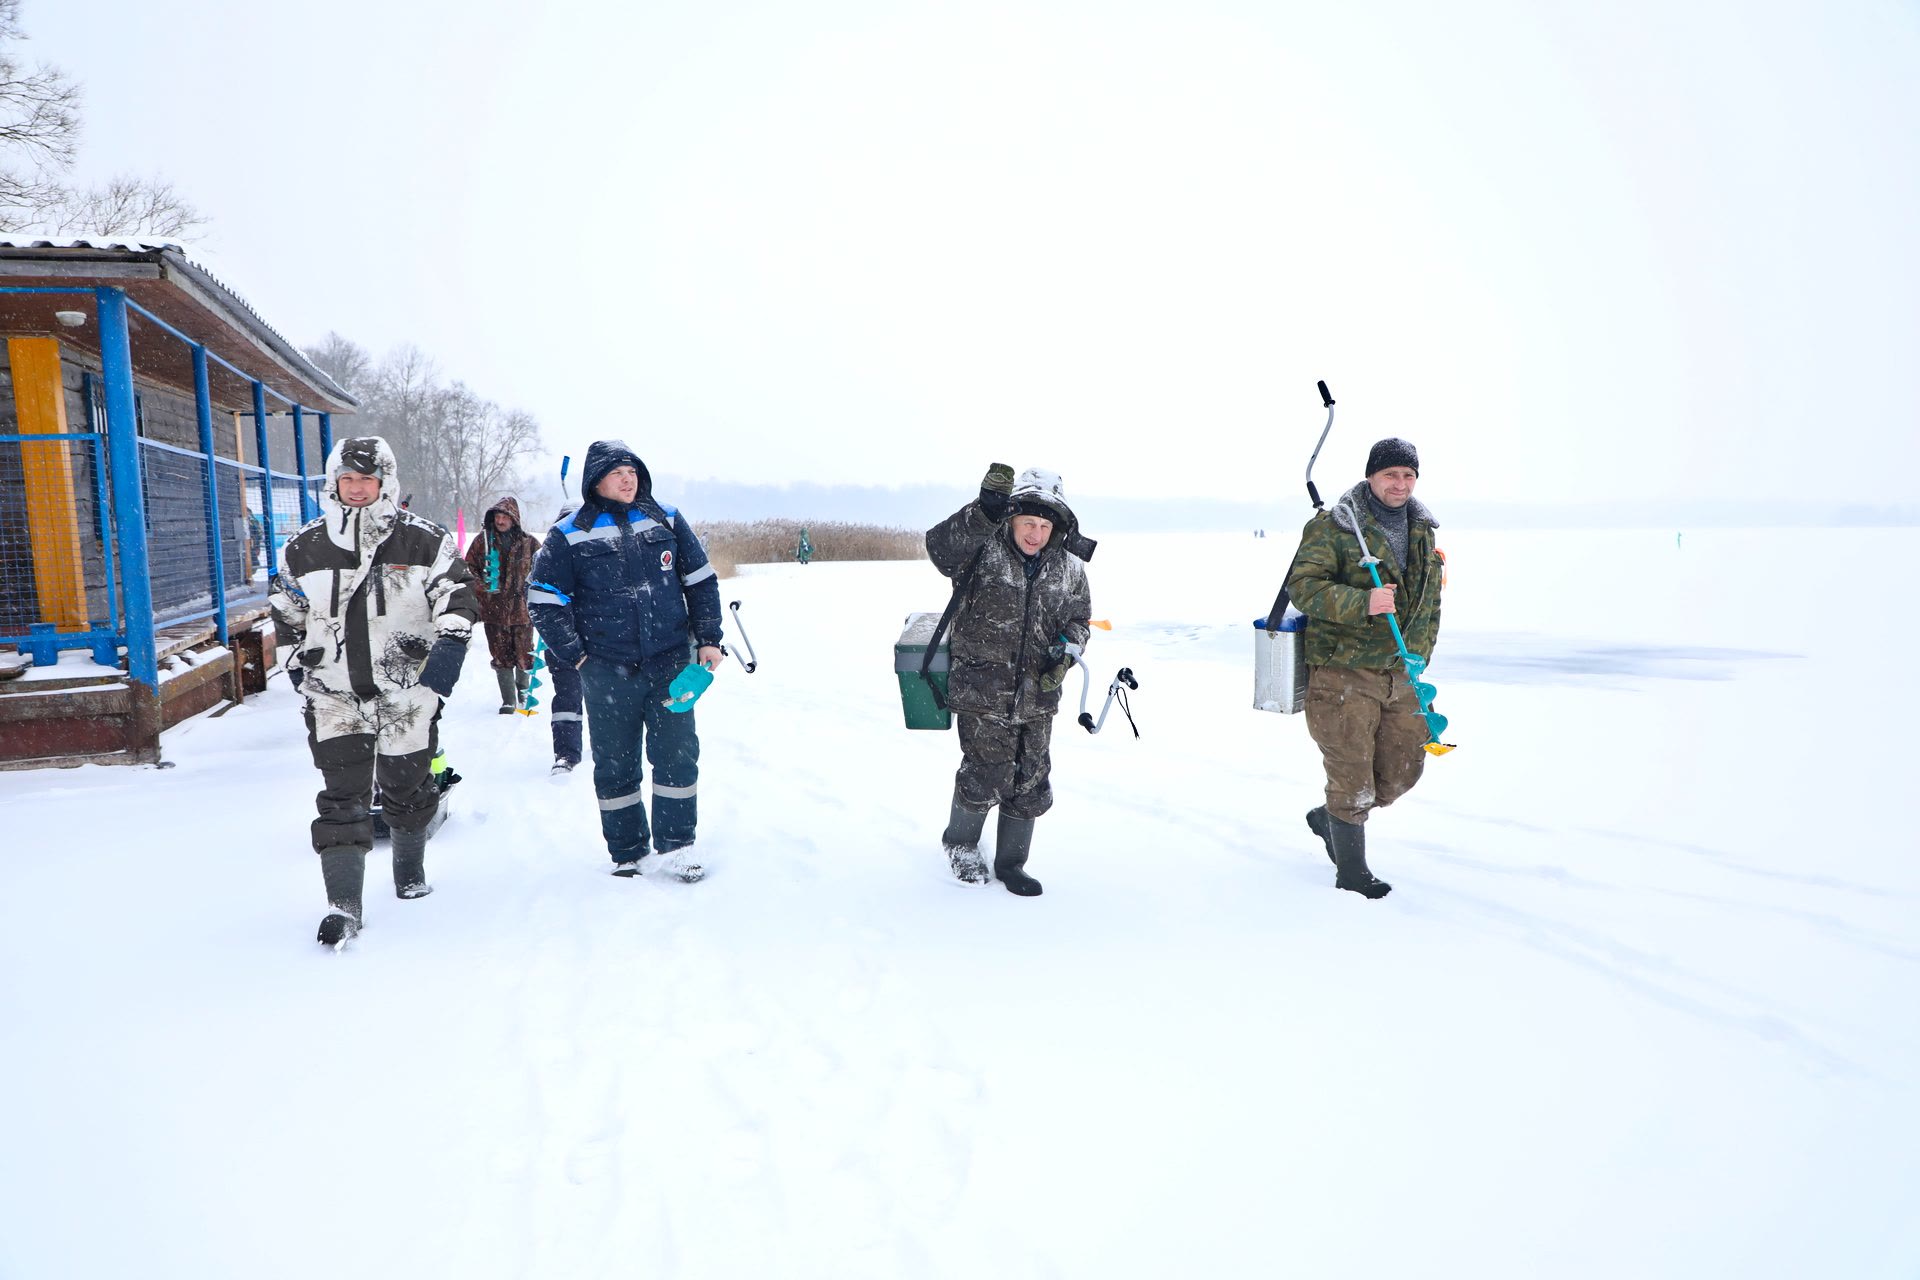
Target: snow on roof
x,y
177,253
89,242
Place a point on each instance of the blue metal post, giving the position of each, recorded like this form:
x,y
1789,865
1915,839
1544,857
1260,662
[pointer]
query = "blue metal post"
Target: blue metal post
x,y
266,470
307,510
326,438
203,407
129,499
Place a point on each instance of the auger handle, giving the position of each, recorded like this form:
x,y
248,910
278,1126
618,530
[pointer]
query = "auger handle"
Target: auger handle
x,y
1326,396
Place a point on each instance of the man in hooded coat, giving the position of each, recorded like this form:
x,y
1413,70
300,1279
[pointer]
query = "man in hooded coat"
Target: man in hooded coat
x,y
1022,615
373,609
500,558
623,592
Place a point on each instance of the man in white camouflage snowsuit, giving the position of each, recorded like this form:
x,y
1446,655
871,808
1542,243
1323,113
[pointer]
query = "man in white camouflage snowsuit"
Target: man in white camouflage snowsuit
x,y
1020,617
372,609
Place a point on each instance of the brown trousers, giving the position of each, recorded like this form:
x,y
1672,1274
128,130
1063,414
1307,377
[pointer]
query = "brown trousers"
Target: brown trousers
x,y
510,646
1371,736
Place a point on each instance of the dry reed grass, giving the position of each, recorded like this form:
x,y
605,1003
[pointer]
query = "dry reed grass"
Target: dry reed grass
x,y
731,543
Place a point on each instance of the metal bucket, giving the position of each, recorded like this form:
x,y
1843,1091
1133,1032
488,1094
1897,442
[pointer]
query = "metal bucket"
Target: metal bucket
x,y
1280,664
916,700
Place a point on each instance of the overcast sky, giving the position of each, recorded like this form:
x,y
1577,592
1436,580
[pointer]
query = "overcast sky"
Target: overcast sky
x,y
1645,249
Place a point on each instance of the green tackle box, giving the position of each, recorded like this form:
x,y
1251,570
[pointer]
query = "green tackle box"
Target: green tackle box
x,y
915,698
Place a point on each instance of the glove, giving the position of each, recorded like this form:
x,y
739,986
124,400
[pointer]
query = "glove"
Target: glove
x,y
1063,652
295,675
996,491
442,671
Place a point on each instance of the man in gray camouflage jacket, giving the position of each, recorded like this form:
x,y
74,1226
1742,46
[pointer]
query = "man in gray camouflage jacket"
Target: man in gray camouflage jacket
x,y
372,609
1017,560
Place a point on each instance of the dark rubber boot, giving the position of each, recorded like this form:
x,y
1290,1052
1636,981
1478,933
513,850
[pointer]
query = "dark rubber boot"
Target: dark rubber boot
x,y
522,681
1010,855
410,864
1317,823
962,842
507,700
345,872
1349,841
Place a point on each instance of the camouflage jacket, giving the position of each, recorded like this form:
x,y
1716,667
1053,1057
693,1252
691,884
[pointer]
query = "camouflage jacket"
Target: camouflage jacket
x,y
1008,620
1329,584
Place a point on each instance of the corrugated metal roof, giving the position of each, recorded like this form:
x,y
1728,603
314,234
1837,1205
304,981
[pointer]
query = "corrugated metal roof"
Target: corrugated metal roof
x,y
175,255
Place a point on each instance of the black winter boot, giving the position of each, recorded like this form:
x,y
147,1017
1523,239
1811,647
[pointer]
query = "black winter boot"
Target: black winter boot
x,y
345,872
1349,842
410,864
522,681
505,681
1010,855
1317,823
962,842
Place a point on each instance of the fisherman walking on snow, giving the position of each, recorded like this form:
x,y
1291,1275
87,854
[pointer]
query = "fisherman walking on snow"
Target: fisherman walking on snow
x,y
1362,710
373,611
1016,557
501,557
623,591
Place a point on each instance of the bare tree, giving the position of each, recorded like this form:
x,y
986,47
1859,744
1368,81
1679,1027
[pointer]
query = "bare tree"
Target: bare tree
x,y
39,127
39,142
345,361
456,450
124,206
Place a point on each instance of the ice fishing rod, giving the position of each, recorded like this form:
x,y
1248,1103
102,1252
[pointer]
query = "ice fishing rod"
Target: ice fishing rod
x,y
750,662
1114,693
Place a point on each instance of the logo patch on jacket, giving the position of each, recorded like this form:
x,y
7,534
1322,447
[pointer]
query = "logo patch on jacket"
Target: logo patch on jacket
x,y
666,559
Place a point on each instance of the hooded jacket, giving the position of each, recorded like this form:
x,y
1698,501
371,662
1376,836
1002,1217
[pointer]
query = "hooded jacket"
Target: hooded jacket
x,y
1013,610
504,605
1329,583
627,583
365,591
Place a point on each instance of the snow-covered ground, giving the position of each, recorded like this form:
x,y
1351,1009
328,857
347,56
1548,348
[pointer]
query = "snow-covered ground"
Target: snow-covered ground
x,y
1642,1003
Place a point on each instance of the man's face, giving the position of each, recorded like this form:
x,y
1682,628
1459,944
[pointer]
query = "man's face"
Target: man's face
x,y
357,490
620,484
502,521
1031,533
1393,485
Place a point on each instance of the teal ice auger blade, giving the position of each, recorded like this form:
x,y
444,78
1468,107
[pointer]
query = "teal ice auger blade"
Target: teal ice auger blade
x,y
687,687
1416,666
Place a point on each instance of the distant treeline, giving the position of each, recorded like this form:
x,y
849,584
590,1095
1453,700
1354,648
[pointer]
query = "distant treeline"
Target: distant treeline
x,y
731,543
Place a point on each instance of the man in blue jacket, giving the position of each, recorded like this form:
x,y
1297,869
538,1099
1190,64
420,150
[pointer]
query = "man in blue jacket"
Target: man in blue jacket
x,y
623,592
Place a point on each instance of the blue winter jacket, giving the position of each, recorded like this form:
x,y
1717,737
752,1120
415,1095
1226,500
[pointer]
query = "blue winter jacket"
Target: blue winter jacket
x,y
635,594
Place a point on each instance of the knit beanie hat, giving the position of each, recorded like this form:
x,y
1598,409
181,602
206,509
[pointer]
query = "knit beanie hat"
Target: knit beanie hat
x,y
1393,452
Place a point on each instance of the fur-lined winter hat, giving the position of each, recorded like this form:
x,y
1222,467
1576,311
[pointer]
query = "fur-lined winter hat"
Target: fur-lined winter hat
x,y
1393,452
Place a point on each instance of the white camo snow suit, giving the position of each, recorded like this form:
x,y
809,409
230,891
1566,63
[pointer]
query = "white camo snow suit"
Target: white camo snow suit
x,y
361,598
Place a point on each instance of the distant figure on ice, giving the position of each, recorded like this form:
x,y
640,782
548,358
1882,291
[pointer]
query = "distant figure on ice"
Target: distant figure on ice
x,y
501,558
1016,557
616,592
567,703
1361,709
804,552
373,611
